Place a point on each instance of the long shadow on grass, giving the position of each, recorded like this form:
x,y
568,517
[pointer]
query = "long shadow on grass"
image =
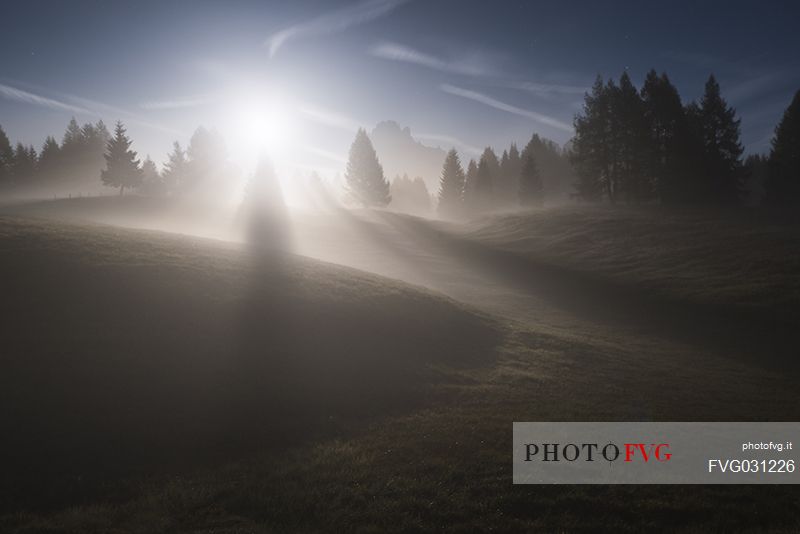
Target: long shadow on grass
x,y
769,339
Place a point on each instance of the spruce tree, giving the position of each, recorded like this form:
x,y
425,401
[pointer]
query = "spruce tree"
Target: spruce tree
x,y
470,181
591,148
783,181
628,135
175,169
487,175
23,165
365,180
531,190
668,162
152,183
6,158
718,130
451,186
122,168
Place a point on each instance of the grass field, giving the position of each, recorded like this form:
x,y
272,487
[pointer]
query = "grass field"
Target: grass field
x,y
157,382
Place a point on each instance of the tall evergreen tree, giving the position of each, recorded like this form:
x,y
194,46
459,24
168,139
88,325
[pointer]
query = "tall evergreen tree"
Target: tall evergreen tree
x,y
629,135
122,168
23,165
451,186
668,162
783,182
365,180
6,158
488,172
152,183
718,131
175,169
531,190
510,168
591,146
470,183
49,159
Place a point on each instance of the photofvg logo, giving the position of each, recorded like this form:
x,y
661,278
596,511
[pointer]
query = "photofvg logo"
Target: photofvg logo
x,y
590,452
654,453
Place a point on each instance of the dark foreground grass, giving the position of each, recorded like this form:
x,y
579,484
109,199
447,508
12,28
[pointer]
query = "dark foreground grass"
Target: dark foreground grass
x,y
165,384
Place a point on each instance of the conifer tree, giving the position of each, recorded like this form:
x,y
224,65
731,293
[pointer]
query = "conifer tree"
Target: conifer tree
x,y
783,181
122,168
365,180
591,153
451,186
175,169
531,191
488,171
718,132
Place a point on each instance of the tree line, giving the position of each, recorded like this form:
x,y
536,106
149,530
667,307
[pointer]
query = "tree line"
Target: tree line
x,y
89,156
645,145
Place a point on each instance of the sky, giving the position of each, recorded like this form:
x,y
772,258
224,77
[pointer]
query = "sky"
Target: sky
x,y
302,76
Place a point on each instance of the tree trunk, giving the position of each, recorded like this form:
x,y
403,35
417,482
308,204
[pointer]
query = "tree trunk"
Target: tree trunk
x,y
121,189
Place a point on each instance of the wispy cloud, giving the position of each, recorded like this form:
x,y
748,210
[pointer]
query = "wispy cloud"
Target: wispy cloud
x,y
405,54
78,105
19,95
544,89
177,103
497,104
333,22
330,118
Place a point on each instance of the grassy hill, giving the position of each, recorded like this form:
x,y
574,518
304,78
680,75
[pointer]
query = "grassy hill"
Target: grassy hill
x,y
741,258
156,382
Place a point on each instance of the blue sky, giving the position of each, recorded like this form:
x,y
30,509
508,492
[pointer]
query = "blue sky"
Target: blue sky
x,y
463,73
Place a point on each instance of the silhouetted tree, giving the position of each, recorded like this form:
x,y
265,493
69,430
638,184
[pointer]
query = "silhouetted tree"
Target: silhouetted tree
x,y
451,186
488,171
717,127
629,138
49,160
410,196
152,182
470,187
783,182
510,169
175,169
668,156
6,158
365,180
122,168
531,190
23,165
592,145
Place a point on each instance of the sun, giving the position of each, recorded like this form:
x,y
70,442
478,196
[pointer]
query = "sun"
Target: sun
x,y
260,124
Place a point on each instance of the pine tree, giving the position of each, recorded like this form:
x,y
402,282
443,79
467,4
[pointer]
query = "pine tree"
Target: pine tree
x,y
488,171
49,159
531,191
470,183
6,158
718,131
668,162
175,169
365,180
152,183
451,186
591,151
628,135
122,168
23,166
783,182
